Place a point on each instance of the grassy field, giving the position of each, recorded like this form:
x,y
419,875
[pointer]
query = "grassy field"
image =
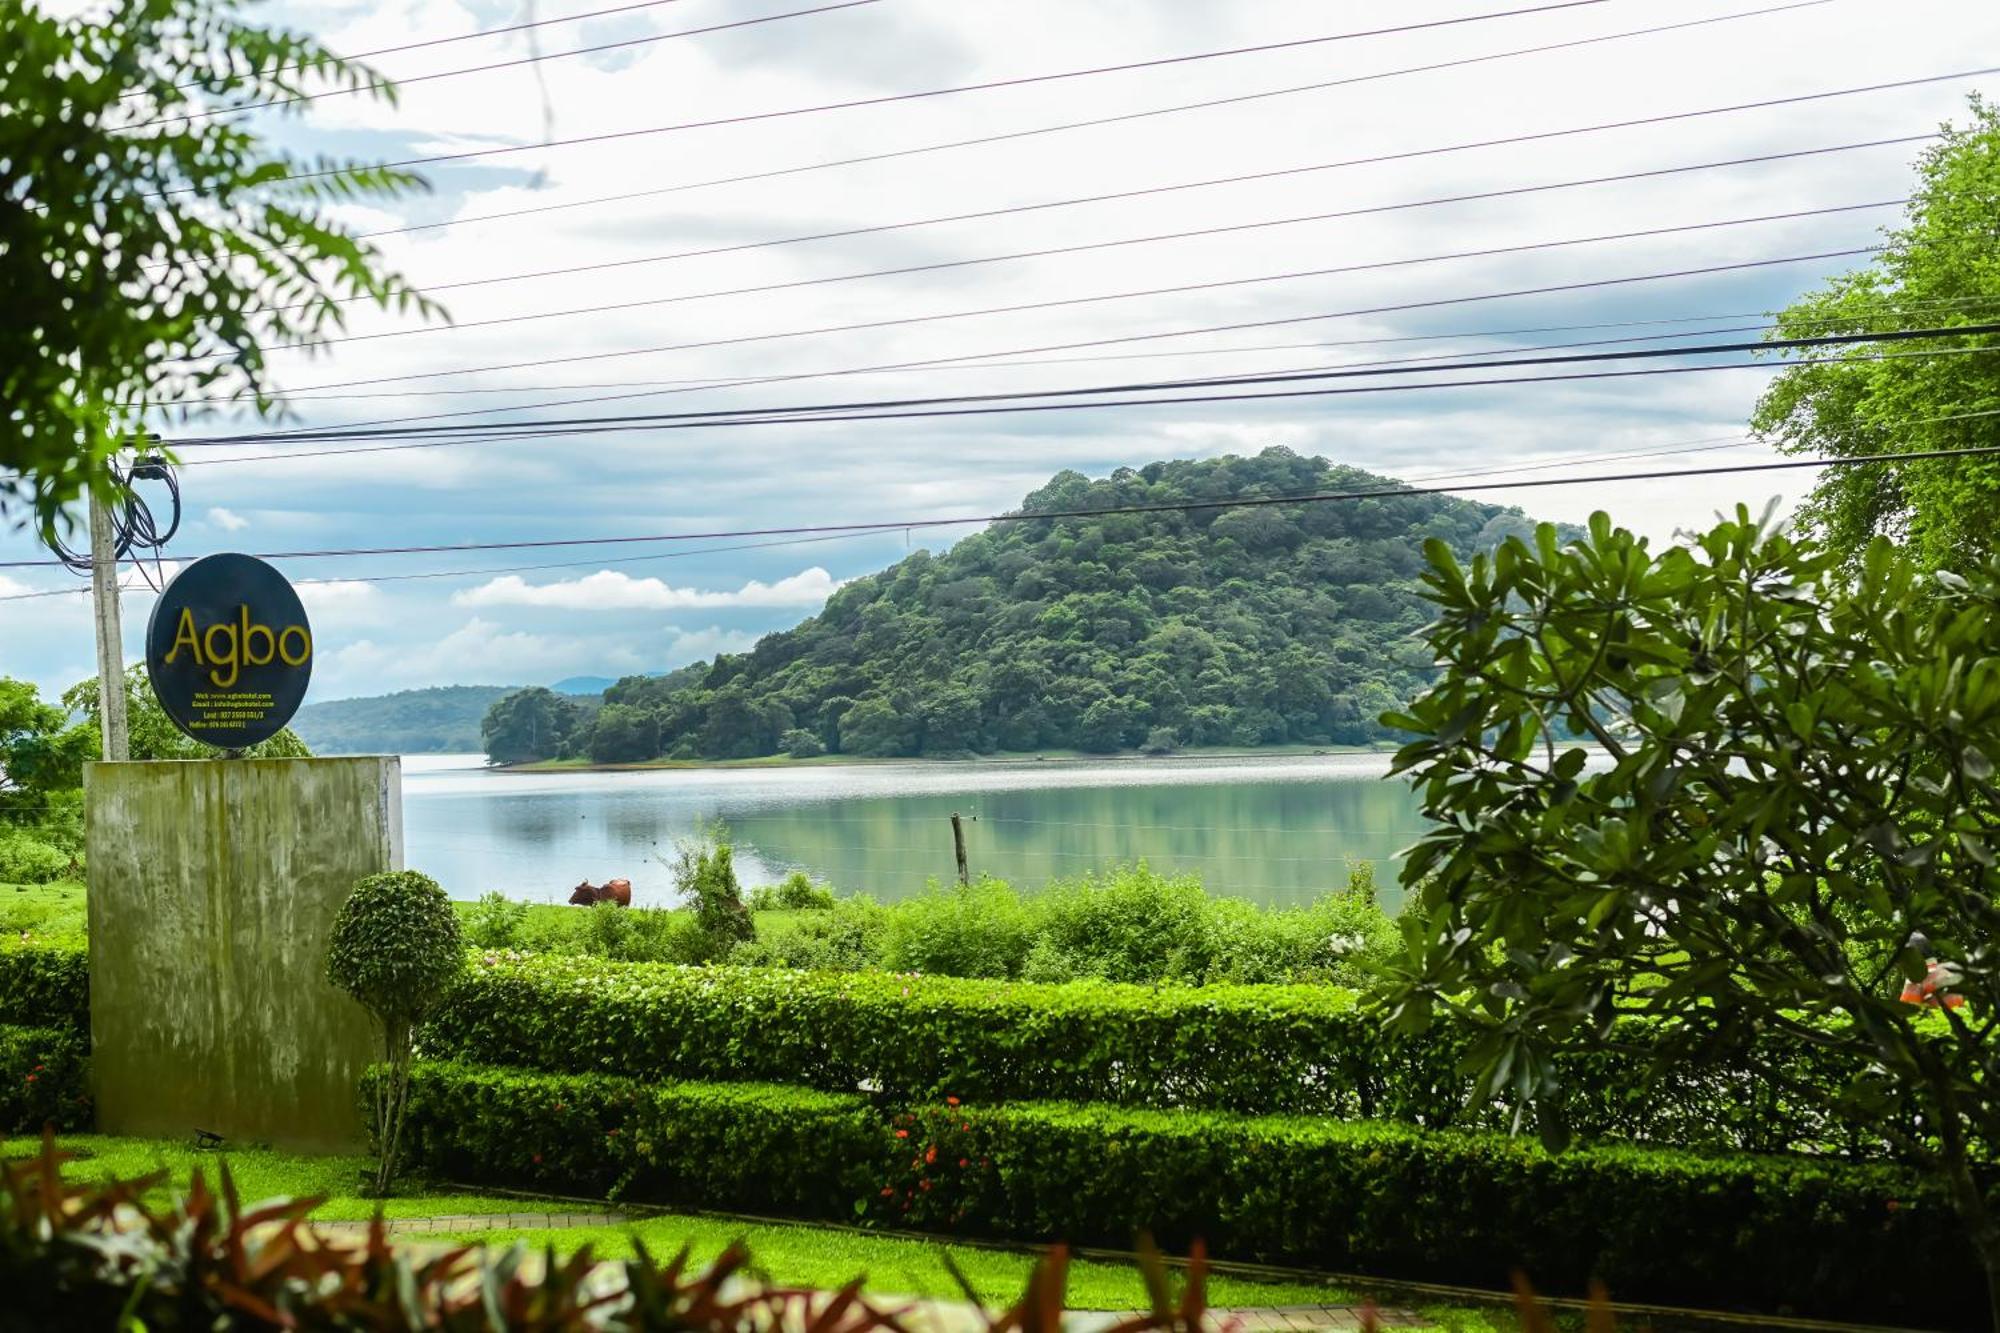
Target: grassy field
x,y
48,913
790,1254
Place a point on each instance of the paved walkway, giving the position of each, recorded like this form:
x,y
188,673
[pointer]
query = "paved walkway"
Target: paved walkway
x,y
931,1316
462,1222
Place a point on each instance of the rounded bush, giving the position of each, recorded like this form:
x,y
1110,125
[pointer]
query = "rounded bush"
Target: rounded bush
x,y
395,946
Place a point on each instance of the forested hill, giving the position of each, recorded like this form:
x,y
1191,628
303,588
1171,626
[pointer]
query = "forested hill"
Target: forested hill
x,y
1243,626
440,720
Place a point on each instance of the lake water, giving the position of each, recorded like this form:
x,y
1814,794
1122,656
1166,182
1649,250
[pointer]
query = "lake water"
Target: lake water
x,y
1279,831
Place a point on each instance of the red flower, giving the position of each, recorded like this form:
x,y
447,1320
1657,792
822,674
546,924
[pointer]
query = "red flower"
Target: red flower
x,y
902,1133
31,1078
40,1068
1893,1205
961,1161
986,1161
930,1154
951,1101
923,1184
888,1191
538,1159
610,1133
966,1127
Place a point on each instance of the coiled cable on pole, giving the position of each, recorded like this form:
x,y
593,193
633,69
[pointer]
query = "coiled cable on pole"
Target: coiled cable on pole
x,y
139,533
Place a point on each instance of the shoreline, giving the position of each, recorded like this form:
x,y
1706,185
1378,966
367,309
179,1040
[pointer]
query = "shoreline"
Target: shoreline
x,y
1009,758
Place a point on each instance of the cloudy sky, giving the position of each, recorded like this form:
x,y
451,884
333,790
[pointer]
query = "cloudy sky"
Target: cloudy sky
x,y
634,202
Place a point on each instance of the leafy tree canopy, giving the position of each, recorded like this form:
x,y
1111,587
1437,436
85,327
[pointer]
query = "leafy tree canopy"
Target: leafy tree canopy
x,y
151,251
1941,267
1787,817
1286,623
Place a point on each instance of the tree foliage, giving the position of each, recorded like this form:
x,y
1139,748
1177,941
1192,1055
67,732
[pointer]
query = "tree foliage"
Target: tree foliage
x,y
1286,623
529,725
150,249
395,948
1788,815
1941,267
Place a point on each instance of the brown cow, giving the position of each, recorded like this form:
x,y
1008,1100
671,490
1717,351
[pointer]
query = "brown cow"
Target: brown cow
x,y
615,891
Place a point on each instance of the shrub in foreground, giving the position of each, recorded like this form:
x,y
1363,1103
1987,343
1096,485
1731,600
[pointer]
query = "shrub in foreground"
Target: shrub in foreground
x,y
100,1256
45,986
1761,1232
44,1079
395,948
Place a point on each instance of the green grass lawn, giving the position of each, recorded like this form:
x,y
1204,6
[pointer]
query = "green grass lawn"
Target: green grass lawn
x,y
785,1253
49,913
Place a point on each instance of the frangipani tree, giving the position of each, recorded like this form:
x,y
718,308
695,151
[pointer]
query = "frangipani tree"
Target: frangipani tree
x,y
1734,786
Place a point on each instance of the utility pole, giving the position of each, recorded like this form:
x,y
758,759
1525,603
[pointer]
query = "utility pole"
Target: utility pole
x,y
958,844
110,635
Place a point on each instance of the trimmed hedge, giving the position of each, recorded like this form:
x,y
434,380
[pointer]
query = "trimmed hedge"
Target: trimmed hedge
x,y
1767,1233
44,1079
1254,1049
45,987
746,1146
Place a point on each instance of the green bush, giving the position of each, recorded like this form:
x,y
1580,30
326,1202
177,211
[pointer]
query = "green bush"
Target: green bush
x,y
796,892
1259,1049
45,987
745,1146
44,1079
847,938
978,930
27,859
395,947
496,922
1134,924
1857,1241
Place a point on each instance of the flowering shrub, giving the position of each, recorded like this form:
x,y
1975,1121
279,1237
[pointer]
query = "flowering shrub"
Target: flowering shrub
x,y
44,1079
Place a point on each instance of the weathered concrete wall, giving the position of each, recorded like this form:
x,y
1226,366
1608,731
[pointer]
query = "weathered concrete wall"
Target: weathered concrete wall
x,y
213,886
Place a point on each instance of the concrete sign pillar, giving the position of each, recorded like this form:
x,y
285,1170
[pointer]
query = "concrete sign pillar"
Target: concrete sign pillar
x,y
213,887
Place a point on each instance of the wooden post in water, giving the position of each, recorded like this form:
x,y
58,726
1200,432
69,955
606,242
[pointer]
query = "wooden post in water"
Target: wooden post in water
x,y
958,845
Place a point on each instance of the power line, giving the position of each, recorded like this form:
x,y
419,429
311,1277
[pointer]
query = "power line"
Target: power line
x,y
1388,489
982,214
1375,159
1237,326
614,135
535,59
1141,386
1066,302
1160,507
1207,399
462,37
665,388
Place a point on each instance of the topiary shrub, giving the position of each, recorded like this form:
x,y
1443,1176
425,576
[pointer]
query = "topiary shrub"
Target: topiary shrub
x,y
396,949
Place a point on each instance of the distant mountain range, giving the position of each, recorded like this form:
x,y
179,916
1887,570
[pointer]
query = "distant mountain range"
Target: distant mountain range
x,y
584,684
442,719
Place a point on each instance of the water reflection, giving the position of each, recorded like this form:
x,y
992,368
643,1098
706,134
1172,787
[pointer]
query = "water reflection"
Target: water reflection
x,y
1279,831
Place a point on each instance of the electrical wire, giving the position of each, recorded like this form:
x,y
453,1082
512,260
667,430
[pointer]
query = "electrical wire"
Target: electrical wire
x,y
1388,489
1105,511
536,59
1236,326
800,410
750,117
1370,210
445,41
1375,159
665,388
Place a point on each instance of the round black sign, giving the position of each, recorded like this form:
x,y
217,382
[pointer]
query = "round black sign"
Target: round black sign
x,y
229,651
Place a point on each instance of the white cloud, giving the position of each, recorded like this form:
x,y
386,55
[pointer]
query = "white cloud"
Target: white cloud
x,y
610,590
10,587
338,595
227,519
694,645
